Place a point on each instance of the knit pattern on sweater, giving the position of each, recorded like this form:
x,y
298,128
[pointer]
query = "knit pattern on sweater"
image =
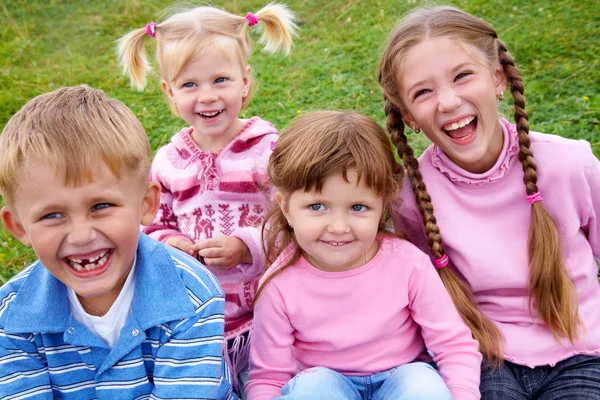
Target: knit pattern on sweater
x,y
206,195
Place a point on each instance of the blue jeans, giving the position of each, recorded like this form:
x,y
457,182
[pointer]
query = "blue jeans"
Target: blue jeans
x,y
576,378
414,381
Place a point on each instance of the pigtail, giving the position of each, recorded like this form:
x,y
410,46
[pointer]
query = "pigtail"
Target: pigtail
x,y
132,57
279,27
483,330
551,288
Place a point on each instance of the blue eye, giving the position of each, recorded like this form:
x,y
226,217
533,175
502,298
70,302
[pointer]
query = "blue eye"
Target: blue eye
x,y
188,84
52,216
220,80
317,207
100,206
359,207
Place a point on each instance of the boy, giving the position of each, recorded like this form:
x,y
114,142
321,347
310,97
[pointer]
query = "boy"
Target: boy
x,y
105,312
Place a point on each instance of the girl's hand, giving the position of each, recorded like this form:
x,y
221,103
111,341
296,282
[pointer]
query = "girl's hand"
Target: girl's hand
x,y
223,252
184,245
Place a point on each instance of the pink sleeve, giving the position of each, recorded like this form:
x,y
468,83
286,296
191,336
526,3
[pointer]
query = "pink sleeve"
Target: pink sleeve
x,y
165,225
252,238
454,349
592,224
272,363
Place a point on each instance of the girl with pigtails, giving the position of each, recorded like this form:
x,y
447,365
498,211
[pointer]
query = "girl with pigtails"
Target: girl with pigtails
x,y
347,309
213,173
517,234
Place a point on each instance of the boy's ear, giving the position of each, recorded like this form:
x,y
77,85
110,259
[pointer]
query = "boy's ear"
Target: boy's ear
x,y
283,204
150,202
12,224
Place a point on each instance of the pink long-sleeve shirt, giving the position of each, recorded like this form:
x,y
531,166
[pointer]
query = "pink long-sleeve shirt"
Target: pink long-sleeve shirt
x,y
484,222
205,195
360,322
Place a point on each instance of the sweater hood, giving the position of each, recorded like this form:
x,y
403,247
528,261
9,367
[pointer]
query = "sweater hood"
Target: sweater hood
x,y
510,148
254,129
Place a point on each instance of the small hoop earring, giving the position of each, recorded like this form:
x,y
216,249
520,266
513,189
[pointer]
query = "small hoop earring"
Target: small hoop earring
x,y
416,129
501,97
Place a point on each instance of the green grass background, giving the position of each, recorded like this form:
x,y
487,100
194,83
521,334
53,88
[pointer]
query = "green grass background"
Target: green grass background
x,y
48,44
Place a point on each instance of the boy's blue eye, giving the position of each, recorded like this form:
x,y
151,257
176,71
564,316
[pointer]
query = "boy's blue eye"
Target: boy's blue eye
x,y
100,206
52,216
220,79
188,84
317,207
359,207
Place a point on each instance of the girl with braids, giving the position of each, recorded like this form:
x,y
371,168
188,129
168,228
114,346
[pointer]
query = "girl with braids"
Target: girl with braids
x,y
517,233
214,184
346,308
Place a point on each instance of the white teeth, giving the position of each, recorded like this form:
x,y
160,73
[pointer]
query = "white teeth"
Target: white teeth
x,y
209,115
91,263
459,124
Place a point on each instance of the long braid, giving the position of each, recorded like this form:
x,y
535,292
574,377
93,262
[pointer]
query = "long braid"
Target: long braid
x,y
550,287
483,330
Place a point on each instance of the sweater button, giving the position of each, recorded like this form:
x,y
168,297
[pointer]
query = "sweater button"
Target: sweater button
x,y
135,332
71,330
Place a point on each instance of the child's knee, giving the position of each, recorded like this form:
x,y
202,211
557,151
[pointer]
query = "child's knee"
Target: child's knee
x,y
418,381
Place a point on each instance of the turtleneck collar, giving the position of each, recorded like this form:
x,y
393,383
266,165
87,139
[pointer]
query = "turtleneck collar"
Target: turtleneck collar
x,y
457,174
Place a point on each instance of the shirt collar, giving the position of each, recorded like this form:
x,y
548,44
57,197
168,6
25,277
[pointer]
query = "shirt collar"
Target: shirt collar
x,y
42,304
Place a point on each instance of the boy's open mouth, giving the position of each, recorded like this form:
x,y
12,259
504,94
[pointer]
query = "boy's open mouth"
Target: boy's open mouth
x,y
209,115
89,263
462,129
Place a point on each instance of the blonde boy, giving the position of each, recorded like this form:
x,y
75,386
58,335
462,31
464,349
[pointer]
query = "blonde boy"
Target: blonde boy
x,y
105,312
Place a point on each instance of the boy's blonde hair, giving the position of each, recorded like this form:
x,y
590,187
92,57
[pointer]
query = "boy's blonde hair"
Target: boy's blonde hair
x,y
186,35
317,146
551,290
73,129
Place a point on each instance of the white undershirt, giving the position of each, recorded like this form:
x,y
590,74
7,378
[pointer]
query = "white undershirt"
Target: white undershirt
x,y
107,327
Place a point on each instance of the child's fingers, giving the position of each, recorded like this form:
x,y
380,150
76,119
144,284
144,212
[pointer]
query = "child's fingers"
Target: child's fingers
x,y
212,252
218,263
206,244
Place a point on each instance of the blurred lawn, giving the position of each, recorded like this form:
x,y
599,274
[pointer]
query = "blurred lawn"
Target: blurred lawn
x,y
51,43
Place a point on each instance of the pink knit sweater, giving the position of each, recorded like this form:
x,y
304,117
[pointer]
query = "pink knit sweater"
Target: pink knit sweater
x,y
206,195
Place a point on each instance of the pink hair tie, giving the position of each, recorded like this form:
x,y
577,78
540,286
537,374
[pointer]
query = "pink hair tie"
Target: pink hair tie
x,y
442,261
272,146
533,198
252,20
151,29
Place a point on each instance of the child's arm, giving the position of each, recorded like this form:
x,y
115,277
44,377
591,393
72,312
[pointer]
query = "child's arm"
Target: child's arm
x,y
592,225
191,363
23,373
446,335
272,363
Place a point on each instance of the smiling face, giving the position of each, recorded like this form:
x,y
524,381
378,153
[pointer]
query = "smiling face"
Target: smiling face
x,y
449,91
335,228
86,236
208,94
